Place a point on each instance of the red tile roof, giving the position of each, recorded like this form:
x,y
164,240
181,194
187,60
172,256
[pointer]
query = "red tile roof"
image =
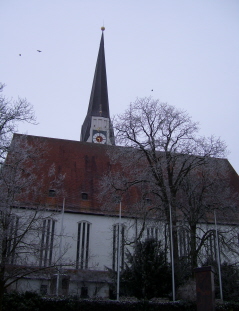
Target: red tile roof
x,y
82,165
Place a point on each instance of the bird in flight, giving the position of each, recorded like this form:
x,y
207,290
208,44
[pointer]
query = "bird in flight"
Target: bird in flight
x,y
39,51
20,54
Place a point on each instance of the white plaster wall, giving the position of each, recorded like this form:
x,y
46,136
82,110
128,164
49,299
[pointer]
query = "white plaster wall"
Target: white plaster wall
x,y
100,241
230,233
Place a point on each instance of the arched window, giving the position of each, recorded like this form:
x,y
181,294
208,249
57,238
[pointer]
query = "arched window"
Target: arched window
x,y
152,233
82,250
116,246
47,240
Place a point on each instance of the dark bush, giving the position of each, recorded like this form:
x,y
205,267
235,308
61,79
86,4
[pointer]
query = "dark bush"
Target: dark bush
x,y
34,302
147,273
230,280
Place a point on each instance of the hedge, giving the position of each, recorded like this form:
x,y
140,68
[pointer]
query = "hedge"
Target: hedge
x,y
34,302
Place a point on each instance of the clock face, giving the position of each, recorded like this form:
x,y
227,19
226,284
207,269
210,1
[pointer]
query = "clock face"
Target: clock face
x,y
99,138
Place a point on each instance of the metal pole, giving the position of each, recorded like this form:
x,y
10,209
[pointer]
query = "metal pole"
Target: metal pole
x,y
60,246
118,257
218,257
172,259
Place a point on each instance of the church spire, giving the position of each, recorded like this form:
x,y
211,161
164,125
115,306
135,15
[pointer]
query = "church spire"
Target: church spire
x,y
98,115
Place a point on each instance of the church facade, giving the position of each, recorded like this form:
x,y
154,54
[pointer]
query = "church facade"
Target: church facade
x,y
76,238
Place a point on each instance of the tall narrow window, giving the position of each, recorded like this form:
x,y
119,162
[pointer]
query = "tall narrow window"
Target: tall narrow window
x,y
82,251
152,233
11,238
47,240
116,246
183,242
211,246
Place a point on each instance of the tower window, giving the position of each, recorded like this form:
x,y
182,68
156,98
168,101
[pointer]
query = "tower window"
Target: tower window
x,y
84,196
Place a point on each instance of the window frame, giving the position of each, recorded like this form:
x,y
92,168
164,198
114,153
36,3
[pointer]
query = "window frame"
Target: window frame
x,y
83,244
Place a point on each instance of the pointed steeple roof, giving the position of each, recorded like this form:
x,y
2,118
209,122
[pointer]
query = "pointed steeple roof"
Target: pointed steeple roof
x,y
99,103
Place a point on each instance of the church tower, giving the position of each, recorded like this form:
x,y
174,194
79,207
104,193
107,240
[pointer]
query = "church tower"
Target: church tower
x,y
97,127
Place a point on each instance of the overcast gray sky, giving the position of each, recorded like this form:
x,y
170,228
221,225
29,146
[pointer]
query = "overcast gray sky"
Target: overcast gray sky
x,y
187,51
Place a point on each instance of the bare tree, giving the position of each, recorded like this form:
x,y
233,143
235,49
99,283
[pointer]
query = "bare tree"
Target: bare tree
x,y
11,113
203,192
28,243
12,183
161,148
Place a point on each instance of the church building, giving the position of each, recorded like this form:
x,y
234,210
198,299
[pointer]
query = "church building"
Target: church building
x,y
76,239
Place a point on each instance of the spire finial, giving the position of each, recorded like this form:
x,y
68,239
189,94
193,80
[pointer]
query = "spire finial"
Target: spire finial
x,y
102,28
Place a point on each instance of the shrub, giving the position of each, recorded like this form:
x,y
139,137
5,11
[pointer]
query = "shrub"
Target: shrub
x,y
230,280
147,273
